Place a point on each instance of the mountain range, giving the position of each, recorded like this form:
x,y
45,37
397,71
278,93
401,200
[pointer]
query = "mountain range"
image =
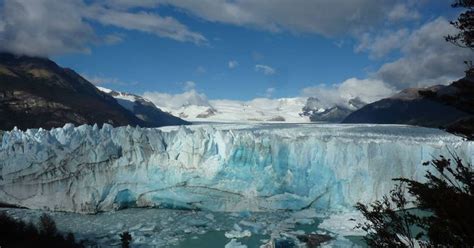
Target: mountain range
x,y
36,92
449,107
294,110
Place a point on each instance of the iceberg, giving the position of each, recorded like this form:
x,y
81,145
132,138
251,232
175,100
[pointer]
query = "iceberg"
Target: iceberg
x,y
219,167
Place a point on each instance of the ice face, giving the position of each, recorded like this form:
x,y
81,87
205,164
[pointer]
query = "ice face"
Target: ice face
x,y
219,168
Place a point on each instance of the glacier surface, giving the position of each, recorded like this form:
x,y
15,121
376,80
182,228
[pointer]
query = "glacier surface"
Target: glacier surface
x,y
221,167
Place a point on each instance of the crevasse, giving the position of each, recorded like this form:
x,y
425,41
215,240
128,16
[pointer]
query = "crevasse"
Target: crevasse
x,y
222,167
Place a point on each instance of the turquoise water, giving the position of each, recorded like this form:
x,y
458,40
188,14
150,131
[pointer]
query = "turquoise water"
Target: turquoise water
x,y
184,228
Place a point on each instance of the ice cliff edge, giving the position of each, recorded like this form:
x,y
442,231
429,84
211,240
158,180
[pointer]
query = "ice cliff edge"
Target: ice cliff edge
x,y
88,169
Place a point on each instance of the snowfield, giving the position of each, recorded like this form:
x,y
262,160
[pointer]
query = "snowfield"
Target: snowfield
x,y
226,167
256,110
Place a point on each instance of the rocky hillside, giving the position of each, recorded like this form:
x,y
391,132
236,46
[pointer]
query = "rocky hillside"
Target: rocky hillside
x,y
144,109
36,92
449,107
317,112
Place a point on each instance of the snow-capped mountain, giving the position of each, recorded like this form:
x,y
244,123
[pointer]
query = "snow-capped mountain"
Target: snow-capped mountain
x,y
143,108
193,107
450,107
36,92
256,110
318,111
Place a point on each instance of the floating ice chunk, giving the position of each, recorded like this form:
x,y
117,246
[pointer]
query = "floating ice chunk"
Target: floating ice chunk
x,y
148,228
209,216
237,233
343,223
234,244
256,226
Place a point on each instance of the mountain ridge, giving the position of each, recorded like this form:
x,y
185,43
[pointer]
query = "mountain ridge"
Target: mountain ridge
x,y
448,107
36,92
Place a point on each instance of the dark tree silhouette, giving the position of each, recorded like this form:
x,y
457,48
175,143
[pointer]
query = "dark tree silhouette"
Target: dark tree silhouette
x,y
465,25
389,221
447,194
47,226
17,233
126,238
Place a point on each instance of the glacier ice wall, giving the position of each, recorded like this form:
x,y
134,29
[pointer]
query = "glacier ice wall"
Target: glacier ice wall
x,y
220,167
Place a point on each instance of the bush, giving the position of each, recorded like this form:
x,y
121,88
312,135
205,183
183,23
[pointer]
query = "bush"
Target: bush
x,y
448,195
17,233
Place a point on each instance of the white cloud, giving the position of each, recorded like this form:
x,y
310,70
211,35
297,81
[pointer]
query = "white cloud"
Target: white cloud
x,y
401,12
146,22
381,44
427,58
51,27
269,92
367,90
189,85
112,39
200,70
265,69
232,64
176,101
100,80
44,27
325,17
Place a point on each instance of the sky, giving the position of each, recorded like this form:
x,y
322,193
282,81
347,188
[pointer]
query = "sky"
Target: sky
x,y
242,49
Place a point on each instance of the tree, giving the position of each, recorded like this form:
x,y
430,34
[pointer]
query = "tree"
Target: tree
x,y
465,25
447,194
389,222
17,233
126,238
47,225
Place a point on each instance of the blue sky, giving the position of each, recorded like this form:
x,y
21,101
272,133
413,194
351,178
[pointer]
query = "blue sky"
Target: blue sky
x,y
164,65
302,51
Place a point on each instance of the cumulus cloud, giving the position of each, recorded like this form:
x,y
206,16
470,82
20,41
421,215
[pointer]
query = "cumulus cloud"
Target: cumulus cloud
x,y
265,69
269,92
325,17
144,21
367,90
401,12
189,96
380,45
189,85
176,101
44,27
232,64
426,59
50,27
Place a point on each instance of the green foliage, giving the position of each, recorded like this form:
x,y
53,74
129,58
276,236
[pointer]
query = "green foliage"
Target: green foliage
x,y
448,194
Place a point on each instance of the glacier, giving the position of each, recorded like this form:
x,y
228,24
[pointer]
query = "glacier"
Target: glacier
x,y
218,167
